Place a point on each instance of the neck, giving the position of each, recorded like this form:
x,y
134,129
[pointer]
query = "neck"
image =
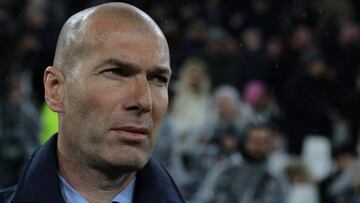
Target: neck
x,y
94,185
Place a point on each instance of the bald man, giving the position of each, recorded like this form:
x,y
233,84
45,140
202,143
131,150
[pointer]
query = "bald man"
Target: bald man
x,y
109,86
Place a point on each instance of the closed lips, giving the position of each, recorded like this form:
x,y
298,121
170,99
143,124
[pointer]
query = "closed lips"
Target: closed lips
x,y
133,129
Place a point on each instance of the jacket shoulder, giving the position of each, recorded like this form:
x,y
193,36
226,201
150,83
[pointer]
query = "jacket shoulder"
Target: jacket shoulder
x,y
7,194
154,184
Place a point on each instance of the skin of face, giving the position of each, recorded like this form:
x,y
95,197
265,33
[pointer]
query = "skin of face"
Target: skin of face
x,y
226,106
258,143
111,104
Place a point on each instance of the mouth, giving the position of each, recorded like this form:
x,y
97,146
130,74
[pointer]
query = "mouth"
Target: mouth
x,y
132,133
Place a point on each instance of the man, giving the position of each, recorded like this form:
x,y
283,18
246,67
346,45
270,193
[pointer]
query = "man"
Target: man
x,y
108,84
232,112
249,180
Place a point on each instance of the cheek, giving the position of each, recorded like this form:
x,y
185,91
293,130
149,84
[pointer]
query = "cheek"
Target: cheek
x,y
89,106
88,103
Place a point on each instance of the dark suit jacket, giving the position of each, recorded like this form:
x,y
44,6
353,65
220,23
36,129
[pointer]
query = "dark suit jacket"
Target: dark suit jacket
x,y
40,183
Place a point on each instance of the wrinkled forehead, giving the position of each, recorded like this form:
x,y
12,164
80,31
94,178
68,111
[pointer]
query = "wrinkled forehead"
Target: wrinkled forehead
x,y
121,23
100,29
108,30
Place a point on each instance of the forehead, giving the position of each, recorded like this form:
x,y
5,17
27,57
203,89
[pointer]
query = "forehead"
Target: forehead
x,y
135,42
258,133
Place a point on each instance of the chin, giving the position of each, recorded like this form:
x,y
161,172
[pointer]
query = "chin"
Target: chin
x,y
125,164
117,168
119,160
132,164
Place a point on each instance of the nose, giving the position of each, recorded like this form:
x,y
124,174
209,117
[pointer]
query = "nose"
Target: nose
x,y
140,94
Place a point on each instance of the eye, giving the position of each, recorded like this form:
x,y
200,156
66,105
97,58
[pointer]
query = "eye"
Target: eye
x,y
117,72
159,79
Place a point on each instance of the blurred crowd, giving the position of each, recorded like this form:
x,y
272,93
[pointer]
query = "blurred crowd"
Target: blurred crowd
x,y
264,100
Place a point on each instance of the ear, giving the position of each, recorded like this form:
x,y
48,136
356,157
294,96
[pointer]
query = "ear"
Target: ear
x,y
54,88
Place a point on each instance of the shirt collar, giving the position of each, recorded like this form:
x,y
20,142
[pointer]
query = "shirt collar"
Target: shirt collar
x,y
126,195
70,195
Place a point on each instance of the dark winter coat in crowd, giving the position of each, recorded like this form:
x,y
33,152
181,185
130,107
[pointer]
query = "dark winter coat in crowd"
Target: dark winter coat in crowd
x,y
307,107
248,182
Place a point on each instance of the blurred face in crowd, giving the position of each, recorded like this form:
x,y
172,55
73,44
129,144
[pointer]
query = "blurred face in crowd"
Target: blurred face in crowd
x,y
258,143
229,143
252,39
226,106
257,95
274,48
196,76
301,38
317,68
113,99
297,172
262,102
349,34
344,161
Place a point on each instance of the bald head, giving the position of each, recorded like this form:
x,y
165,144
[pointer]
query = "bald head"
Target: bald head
x,y
81,33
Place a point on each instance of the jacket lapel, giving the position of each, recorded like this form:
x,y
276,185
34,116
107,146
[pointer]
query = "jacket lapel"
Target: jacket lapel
x,y
154,184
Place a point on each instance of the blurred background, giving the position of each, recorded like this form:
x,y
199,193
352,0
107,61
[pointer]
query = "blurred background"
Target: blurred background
x,y
264,99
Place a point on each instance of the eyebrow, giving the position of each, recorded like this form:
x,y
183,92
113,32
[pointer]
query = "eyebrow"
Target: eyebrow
x,y
134,68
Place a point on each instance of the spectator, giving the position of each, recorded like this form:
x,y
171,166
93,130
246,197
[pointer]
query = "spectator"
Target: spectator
x,y
190,124
345,158
264,109
231,111
250,181
301,188
193,91
307,101
351,108
19,130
